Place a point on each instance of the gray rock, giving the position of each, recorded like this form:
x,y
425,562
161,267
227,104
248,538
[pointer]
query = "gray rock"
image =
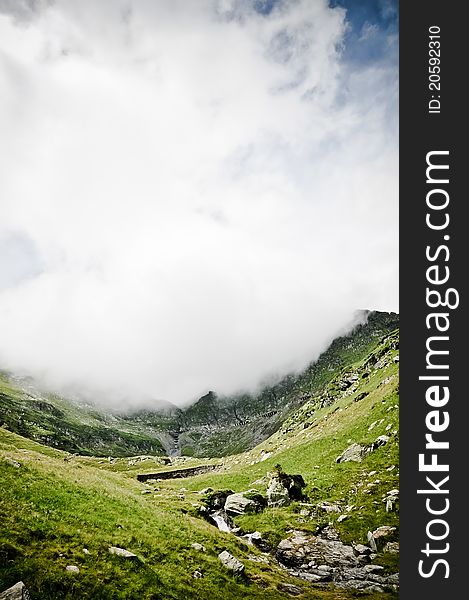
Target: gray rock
x,y
391,548
354,453
377,539
372,542
197,575
72,569
12,462
16,592
198,547
288,588
122,553
231,563
361,549
380,441
238,504
329,507
277,494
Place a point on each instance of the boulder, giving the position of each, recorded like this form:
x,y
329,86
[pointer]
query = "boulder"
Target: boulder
x,y
216,499
231,563
325,549
354,453
16,592
243,502
283,487
377,539
277,493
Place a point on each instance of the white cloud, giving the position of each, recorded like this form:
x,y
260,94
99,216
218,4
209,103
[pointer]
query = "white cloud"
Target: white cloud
x,y
211,192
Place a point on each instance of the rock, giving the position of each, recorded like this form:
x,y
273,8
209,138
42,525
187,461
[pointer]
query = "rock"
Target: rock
x,y
391,548
16,592
197,575
12,462
198,547
86,551
354,453
283,487
361,549
325,549
277,493
329,507
206,491
145,492
377,539
244,502
216,499
72,569
380,441
122,553
342,518
231,563
288,588
372,542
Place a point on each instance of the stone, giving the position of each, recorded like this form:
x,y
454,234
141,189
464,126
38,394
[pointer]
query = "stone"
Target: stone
x,y
354,453
197,575
277,494
238,504
372,542
288,588
380,441
198,547
342,518
12,462
122,553
206,491
72,569
86,551
377,540
329,507
391,547
361,549
16,592
324,549
231,563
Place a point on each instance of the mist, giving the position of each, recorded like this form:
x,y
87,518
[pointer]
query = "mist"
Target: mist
x,y
193,195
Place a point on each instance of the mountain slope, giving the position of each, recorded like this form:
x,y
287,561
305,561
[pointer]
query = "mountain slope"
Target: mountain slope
x,y
212,426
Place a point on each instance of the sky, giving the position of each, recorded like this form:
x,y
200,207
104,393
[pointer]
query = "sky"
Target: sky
x,y
194,196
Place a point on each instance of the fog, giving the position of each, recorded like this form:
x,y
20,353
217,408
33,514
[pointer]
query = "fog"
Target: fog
x,y
193,195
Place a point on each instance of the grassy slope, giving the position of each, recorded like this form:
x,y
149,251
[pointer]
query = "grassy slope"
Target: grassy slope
x,y
55,421
52,508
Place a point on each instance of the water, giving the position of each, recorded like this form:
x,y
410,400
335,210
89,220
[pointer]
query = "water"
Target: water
x,y
220,521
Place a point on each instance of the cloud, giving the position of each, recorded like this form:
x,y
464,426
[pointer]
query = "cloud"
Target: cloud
x,y
207,192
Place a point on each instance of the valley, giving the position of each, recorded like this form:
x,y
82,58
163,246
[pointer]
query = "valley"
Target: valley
x,y
304,504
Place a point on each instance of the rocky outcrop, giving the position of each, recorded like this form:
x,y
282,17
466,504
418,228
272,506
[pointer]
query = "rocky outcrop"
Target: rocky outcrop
x,y
244,502
324,558
16,592
357,452
231,563
283,488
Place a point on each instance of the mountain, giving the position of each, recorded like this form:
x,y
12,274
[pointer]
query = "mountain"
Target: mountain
x,y
310,512
212,426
